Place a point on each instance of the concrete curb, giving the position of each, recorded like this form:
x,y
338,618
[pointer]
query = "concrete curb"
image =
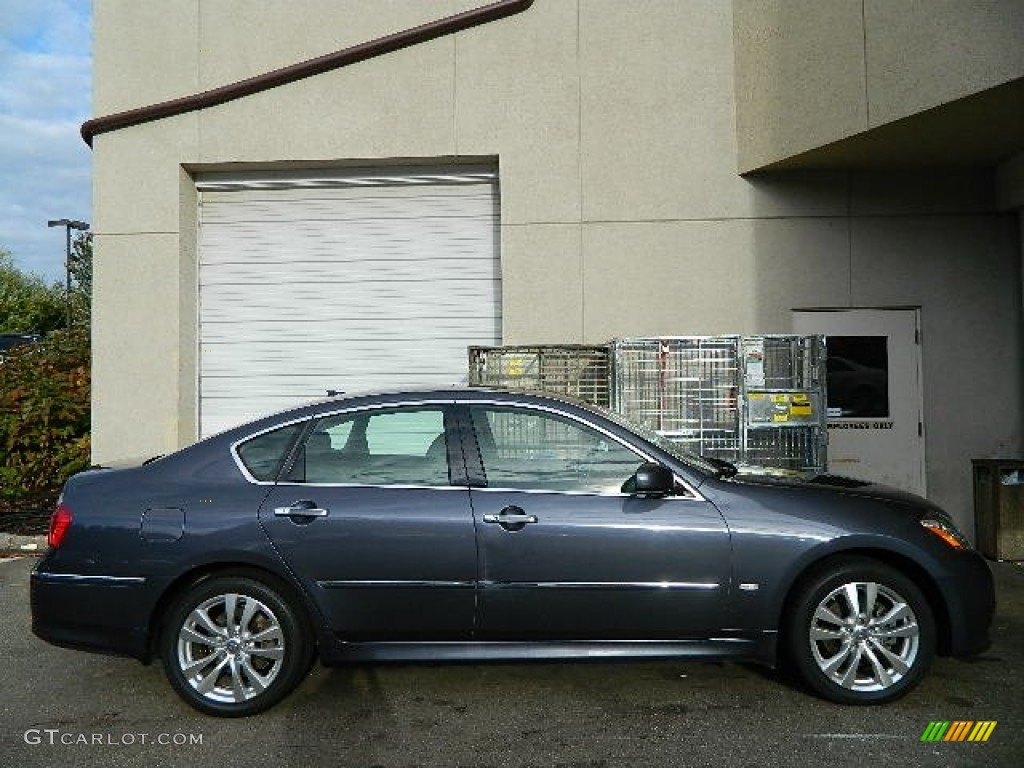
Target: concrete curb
x,y
22,545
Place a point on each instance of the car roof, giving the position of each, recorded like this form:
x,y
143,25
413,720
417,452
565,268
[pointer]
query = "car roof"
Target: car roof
x,y
346,400
434,393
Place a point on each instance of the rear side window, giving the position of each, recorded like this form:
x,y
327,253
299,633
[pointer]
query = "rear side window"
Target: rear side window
x,y
403,446
264,454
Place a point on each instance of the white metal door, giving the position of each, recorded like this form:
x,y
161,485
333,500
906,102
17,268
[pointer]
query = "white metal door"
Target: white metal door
x,y
875,423
341,281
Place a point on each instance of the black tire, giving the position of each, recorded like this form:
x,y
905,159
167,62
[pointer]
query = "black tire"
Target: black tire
x,y
871,653
234,667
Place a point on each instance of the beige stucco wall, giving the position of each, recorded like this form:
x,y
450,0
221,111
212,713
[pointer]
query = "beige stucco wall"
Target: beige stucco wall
x,y
613,128
814,72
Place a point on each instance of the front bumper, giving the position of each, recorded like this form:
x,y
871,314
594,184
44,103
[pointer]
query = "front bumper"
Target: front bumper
x,y
970,598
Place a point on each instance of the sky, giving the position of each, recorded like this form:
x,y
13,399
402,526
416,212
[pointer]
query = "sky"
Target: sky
x,y
45,96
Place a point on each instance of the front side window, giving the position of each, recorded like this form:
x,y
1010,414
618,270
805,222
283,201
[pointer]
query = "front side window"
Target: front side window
x,y
534,450
389,447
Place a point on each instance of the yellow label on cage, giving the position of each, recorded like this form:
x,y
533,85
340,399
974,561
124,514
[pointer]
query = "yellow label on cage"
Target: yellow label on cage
x,y
515,366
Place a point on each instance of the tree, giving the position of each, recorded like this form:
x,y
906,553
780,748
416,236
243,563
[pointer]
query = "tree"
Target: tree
x,y
44,418
44,388
27,303
80,267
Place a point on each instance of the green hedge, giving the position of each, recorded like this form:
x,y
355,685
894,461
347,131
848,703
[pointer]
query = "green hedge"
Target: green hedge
x,y
44,417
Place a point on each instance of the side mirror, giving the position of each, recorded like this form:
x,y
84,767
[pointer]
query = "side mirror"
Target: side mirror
x,y
653,479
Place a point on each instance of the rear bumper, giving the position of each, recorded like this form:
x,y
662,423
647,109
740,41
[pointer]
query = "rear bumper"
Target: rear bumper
x,y
92,613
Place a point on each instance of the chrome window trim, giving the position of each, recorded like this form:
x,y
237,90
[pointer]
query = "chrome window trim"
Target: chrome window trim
x,y
598,494
404,486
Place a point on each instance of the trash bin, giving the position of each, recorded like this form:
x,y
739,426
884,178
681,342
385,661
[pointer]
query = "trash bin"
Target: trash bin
x,y
999,507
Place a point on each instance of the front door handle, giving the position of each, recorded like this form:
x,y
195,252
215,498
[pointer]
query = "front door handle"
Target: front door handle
x,y
301,509
511,516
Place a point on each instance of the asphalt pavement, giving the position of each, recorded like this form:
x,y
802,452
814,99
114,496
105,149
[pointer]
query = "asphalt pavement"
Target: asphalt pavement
x,y
62,707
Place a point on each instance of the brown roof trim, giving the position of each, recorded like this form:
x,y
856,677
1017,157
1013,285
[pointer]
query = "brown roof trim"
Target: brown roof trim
x,y
356,53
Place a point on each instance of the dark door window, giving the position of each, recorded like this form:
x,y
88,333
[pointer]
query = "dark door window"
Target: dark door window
x,y
858,377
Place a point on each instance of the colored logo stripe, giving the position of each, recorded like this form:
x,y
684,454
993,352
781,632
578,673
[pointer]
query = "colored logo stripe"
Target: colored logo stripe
x,y
982,730
958,730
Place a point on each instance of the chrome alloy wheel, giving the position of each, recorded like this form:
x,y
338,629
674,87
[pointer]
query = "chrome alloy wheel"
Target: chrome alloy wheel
x,y
864,636
230,648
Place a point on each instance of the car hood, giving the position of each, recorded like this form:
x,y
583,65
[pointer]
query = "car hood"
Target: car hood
x,y
771,476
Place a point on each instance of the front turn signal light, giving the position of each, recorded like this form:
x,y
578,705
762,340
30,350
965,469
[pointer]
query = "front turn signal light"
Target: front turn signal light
x,y
947,532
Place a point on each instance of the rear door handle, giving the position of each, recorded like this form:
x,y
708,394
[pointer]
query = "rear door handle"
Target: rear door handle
x,y
301,509
510,516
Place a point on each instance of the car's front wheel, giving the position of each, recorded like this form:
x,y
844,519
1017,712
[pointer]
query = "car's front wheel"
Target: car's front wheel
x,y
233,646
860,632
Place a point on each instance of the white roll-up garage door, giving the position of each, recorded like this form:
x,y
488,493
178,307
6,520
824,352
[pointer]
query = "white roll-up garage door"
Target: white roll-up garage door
x,y
329,281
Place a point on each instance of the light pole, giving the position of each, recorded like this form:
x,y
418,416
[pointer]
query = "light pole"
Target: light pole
x,y
68,225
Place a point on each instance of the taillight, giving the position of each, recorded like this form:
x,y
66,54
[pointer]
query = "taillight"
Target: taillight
x,y
60,521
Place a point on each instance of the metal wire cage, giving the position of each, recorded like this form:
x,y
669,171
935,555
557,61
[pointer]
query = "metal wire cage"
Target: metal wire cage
x,y
755,400
699,391
788,372
580,371
790,362
685,388
796,448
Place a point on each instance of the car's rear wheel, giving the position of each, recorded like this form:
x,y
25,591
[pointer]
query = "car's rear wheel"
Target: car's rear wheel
x,y
233,646
860,632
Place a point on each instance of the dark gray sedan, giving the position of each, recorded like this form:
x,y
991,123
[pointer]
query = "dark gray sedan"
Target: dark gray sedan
x,y
477,525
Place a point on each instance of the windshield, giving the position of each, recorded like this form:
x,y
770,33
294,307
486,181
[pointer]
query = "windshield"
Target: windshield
x,y
675,450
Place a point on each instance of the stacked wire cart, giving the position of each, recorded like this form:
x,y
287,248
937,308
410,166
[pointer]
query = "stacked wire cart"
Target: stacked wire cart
x,y
751,400
580,371
687,389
